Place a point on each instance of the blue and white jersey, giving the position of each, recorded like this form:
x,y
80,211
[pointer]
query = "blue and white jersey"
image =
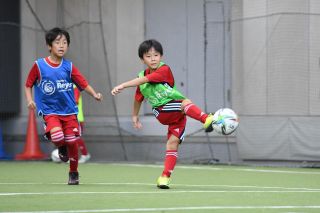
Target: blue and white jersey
x,y
54,92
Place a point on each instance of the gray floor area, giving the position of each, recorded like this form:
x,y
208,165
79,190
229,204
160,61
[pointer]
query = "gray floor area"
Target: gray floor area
x,y
141,149
151,149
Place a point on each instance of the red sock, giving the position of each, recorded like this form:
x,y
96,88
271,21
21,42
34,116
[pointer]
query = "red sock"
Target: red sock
x,y
195,112
82,147
170,162
59,143
73,155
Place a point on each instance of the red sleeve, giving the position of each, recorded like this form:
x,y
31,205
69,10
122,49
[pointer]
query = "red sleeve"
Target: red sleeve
x,y
34,75
138,96
78,78
76,94
161,75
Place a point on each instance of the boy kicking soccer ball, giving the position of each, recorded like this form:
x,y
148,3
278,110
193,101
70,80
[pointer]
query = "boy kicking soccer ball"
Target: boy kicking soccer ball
x,y
169,106
53,78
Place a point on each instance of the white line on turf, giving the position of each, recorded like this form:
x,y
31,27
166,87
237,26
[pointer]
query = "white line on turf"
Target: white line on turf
x,y
191,208
155,192
183,185
229,169
279,171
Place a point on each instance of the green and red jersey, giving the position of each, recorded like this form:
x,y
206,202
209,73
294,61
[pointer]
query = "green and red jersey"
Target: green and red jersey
x,y
161,87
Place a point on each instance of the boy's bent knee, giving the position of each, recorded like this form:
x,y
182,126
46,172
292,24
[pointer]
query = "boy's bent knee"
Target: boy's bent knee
x,y
173,143
54,129
185,102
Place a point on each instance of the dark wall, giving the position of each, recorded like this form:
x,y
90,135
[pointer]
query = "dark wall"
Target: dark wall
x,y
9,58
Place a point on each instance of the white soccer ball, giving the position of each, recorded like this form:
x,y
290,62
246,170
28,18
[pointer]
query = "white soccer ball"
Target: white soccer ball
x,y
226,121
55,156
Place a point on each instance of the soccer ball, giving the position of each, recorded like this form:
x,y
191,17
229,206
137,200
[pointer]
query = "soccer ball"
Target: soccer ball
x,y
225,122
55,156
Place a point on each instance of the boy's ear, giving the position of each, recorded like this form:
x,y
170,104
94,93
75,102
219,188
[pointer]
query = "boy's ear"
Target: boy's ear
x,y
49,47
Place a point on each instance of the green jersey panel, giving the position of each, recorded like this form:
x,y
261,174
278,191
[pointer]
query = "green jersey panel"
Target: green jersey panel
x,y
159,94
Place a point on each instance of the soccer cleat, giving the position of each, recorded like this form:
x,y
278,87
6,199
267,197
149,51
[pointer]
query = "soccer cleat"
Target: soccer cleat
x,y
63,153
84,158
163,182
208,124
73,178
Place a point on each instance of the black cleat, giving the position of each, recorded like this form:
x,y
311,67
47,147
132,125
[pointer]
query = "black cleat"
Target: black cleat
x,y
63,153
73,178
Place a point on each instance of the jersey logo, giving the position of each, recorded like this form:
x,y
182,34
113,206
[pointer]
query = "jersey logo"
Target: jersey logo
x,y
63,85
48,87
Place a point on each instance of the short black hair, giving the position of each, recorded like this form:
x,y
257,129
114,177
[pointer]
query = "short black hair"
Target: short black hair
x,y
52,34
147,45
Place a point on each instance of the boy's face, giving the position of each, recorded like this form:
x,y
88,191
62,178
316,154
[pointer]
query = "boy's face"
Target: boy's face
x,y
59,46
152,59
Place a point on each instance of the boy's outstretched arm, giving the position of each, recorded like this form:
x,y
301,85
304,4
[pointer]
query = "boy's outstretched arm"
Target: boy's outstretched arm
x,y
131,83
28,93
135,114
90,90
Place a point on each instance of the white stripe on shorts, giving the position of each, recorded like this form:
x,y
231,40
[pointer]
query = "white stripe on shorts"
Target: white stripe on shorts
x,y
70,138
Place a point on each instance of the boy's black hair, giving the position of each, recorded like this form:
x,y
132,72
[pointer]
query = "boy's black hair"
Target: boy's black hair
x,y
147,45
52,34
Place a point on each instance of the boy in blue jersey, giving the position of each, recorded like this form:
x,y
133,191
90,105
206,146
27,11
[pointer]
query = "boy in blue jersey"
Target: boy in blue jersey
x,y
53,78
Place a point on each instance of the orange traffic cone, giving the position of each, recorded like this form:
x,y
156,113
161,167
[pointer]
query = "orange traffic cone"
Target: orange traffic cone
x,y
32,149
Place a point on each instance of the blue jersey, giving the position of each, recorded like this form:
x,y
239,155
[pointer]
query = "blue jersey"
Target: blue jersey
x,y
54,92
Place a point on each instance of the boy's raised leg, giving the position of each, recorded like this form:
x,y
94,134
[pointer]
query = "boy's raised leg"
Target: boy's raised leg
x,y
196,113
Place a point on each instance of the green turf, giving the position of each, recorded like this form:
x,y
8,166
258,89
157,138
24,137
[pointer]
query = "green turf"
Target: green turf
x,y
41,187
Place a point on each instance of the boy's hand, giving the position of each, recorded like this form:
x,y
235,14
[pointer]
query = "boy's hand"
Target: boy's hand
x,y
31,104
136,122
117,89
98,97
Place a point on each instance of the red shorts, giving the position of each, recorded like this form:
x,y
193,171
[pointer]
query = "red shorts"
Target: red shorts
x,y
170,114
68,123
